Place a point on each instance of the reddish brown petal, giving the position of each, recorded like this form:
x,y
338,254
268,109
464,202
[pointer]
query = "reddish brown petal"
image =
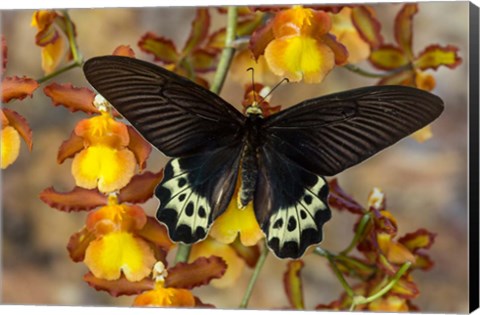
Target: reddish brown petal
x,y
139,146
340,51
4,54
435,56
339,200
78,243
292,283
79,199
119,287
75,99
70,147
421,239
388,57
199,31
404,27
124,50
203,60
423,261
367,26
18,122
156,233
248,253
140,188
260,39
200,272
47,32
200,304
162,49
402,78
17,88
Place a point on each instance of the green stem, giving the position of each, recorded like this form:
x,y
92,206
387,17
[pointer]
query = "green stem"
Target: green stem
x,y
338,273
368,74
253,279
58,72
227,53
358,234
183,252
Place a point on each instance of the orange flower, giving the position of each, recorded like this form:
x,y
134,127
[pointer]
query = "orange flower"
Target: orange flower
x,y
117,249
105,162
297,45
347,34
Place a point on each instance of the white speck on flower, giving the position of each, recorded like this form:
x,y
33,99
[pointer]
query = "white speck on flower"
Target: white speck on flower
x,y
159,272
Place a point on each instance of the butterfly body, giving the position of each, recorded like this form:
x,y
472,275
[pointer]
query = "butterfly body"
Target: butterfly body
x,y
280,160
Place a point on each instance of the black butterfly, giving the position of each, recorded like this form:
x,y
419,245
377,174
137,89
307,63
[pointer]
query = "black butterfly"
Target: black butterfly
x,y
281,159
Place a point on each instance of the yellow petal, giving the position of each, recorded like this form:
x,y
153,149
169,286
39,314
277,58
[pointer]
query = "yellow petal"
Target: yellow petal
x,y
235,264
235,221
10,146
52,55
109,169
300,57
165,297
119,252
423,134
103,129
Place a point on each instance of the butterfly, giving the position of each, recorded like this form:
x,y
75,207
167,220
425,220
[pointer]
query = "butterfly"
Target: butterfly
x,y
281,160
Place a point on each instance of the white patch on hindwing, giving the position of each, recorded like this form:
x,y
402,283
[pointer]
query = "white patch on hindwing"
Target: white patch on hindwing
x,y
288,223
192,209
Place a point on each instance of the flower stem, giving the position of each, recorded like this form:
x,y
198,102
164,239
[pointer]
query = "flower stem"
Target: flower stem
x,y
338,273
358,234
183,252
227,53
58,72
369,74
253,279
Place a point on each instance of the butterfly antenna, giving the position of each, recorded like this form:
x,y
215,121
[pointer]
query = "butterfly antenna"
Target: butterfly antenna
x,y
253,83
275,87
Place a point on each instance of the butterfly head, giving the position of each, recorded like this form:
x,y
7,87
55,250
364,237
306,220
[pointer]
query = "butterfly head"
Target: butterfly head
x,y
254,109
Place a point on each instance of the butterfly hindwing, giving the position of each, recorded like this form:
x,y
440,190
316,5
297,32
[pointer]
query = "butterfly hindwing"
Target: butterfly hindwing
x,y
326,135
290,204
174,114
195,190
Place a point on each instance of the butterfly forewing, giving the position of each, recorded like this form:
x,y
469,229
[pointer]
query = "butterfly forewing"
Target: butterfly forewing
x,y
327,135
174,114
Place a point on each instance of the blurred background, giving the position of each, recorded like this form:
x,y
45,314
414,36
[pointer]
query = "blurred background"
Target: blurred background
x,y
425,184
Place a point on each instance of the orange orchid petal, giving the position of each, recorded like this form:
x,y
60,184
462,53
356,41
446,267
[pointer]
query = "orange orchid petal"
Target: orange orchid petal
x,y
139,146
260,39
52,55
119,252
388,57
235,221
198,32
424,81
293,284
119,217
395,252
10,146
420,239
103,130
20,124
156,233
17,88
435,56
119,287
78,244
245,60
197,273
300,57
405,288
388,304
404,27
103,167
338,49
204,60
124,50
249,254
301,21
165,297
235,264
70,147
79,199
423,134
140,188
163,49
43,21
73,98
340,200
345,32
367,25
245,27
